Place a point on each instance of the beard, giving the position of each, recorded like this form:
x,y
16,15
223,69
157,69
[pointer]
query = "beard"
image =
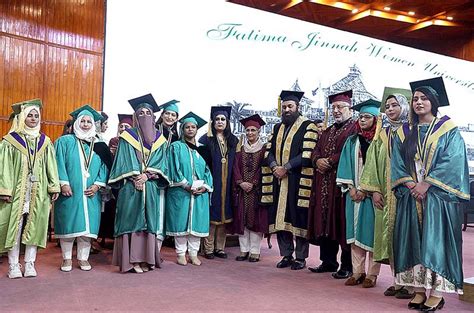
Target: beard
x,y
290,119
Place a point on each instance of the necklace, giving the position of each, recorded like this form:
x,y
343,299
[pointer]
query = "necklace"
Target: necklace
x,y
222,148
31,162
87,158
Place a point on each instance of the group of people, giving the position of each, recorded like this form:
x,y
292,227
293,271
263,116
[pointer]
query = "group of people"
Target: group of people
x,y
382,190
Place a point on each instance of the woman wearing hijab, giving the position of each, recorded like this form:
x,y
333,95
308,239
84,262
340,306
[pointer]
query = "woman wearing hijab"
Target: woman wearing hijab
x,y
430,176
28,184
139,173
250,218
187,198
82,172
377,182
219,152
360,213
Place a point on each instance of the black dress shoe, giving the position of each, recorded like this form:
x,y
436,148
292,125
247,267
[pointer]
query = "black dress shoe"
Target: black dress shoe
x,y
242,257
252,259
220,254
439,306
298,265
285,262
209,256
323,268
341,274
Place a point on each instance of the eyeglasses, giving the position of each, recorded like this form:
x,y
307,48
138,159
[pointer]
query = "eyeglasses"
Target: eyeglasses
x,y
339,107
365,116
220,119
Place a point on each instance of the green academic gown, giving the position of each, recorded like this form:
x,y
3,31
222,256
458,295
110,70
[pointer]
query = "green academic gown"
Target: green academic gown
x,y
187,214
78,215
13,182
376,177
360,216
140,210
428,233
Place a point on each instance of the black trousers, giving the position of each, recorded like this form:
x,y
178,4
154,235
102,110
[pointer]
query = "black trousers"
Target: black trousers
x,y
287,247
328,250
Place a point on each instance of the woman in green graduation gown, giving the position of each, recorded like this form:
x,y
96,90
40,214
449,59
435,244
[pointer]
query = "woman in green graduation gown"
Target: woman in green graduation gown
x,y
187,199
28,183
430,177
376,180
139,173
82,172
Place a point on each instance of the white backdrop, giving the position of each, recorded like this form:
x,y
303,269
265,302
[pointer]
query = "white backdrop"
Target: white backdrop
x,y
188,50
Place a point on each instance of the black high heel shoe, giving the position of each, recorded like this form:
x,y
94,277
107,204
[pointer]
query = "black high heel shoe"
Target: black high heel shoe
x,y
439,306
416,306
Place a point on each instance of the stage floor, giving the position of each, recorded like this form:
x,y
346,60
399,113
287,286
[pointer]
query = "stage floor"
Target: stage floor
x,y
217,285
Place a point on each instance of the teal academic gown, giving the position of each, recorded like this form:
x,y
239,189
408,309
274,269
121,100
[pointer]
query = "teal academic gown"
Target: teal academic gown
x,y
360,217
429,233
139,210
78,215
187,214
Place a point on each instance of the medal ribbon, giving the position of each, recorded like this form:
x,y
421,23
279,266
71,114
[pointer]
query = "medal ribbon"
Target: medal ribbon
x,y
31,163
222,148
87,159
423,149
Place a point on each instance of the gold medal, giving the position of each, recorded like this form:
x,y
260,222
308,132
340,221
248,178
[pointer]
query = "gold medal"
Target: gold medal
x,y
87,175
224,160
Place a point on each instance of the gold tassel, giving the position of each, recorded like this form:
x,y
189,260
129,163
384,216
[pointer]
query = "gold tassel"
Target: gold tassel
x,y
378,128
326,118
209,129
279,107
240,144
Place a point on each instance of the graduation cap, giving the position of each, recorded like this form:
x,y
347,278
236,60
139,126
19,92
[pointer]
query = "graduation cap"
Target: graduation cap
x,y
221,110
370,106
344,96
391,91
287,95
125,118
253,120
435,86
144,101
191,117
17,107
104,116
86,110
170,106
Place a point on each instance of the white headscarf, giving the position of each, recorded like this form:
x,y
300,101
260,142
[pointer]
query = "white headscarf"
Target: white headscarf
x,y
20,126
405,107
81,134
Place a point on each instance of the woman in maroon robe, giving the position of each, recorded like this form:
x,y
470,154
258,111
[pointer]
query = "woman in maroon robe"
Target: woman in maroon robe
x,y
250,219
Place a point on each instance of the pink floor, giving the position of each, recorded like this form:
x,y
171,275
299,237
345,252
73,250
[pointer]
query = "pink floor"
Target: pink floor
x,y
217,285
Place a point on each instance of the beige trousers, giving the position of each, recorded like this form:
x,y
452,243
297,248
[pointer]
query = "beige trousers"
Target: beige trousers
x,y
216,238
359,256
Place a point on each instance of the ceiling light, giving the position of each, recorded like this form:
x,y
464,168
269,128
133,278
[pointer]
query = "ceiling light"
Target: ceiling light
x,y
450,18
387,8
411,13
354,11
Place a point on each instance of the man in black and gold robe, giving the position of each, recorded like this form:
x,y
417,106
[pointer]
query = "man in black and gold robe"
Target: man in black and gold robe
x,y
287,180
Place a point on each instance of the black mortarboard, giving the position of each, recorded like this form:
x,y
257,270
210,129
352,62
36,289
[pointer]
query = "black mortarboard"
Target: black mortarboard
x,y
221,110
287,95
344,96
144,101
191,117
253,120
435,86
104,116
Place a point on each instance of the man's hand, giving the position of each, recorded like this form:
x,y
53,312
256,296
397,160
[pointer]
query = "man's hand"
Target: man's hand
x,y
323,164
279,172
66,190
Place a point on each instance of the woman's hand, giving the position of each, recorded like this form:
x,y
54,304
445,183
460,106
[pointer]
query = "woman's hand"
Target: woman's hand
x,y
247,187
139,181
7,199
323,165
199,191
377,199
54,196
66,190
420,190
91,191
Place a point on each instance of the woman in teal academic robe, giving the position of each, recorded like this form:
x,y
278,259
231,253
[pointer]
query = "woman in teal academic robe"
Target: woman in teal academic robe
x,y
140,174
82,172
360,215
430,177
28,183
187,199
